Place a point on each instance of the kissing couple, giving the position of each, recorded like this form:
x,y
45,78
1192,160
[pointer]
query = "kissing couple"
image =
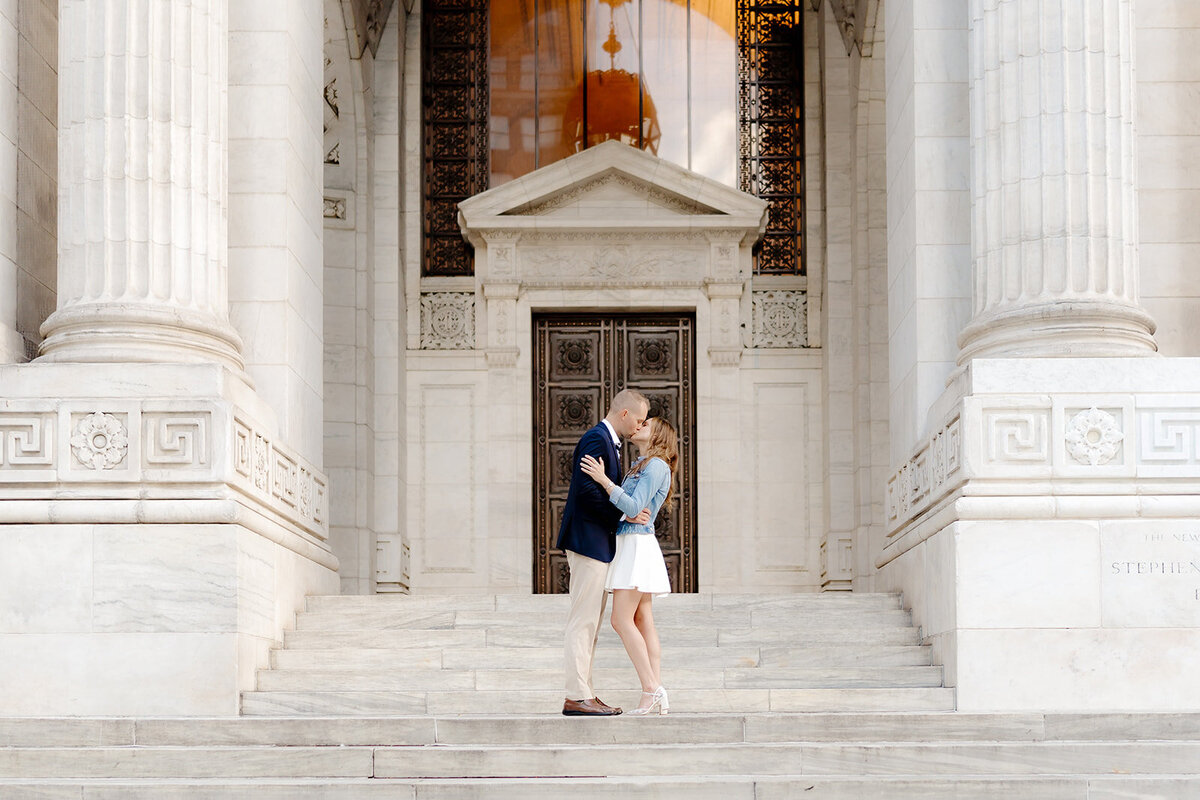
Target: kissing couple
x,y
607,533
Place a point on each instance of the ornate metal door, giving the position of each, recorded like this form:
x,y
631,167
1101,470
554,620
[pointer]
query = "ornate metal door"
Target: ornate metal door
x,y
580,362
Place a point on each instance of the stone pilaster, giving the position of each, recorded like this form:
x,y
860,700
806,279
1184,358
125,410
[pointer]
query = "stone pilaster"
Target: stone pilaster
x,y
1054,200
142,208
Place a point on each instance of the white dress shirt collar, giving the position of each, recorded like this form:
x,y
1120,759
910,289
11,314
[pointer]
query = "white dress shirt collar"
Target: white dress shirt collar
x,y
611,432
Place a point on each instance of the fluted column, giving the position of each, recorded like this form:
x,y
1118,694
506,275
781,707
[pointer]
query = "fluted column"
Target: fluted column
x,y
142,196
1054,198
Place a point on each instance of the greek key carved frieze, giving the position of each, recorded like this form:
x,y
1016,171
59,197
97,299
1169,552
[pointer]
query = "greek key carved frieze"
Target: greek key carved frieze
x,y
1017,435
26,441
1168,436
176,440
447,321
288,484
928,475
780,319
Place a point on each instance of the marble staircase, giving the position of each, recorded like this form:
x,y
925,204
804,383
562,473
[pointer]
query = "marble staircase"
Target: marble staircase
x,y
503,655
812,696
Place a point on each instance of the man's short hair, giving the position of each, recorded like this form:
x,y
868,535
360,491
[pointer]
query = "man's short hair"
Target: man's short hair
x,y
628,400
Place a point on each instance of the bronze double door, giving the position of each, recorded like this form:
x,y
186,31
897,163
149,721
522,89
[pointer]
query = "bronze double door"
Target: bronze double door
x,y
580,362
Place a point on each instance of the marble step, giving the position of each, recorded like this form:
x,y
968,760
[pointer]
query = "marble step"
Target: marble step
x,y
688,759
554,729
389,619
432,680
1091,787
551,657
549,701
536,602
671,636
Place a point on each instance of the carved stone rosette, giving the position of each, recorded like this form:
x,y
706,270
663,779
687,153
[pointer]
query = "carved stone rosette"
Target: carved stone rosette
x,y
447,321
780,319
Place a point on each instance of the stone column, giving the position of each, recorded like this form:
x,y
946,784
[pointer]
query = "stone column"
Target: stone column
x,y
12,346
142,208
1054,200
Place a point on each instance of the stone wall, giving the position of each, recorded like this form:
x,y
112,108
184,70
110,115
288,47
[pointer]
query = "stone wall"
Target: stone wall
x,y
1168,76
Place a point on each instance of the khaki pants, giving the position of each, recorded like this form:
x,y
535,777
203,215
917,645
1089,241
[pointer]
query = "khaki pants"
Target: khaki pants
x,y
588,599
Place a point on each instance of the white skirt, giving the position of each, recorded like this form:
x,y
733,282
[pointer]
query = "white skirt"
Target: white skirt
x,y
639,565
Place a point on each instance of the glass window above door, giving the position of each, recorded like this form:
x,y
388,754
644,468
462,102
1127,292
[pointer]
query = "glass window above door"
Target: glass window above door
x,y
661,75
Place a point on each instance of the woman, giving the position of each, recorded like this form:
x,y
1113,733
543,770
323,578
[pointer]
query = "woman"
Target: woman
x,y
638,571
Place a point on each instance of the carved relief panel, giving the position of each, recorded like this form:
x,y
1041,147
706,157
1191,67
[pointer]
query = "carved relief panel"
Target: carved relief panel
x,y
580,363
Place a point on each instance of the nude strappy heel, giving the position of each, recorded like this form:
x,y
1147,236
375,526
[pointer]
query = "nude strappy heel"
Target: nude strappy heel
x,y
659,703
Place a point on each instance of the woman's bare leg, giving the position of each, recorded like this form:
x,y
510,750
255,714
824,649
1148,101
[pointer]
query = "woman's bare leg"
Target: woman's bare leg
x,y
625,604
643,617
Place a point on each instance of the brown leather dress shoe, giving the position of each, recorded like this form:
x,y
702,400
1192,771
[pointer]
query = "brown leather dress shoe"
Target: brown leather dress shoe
x,y
603,704
588,708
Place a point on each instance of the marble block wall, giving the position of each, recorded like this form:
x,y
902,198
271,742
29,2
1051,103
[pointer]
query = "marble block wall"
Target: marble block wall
x,y
141,619
1045,535
928,204
1168,117
275,207
156,539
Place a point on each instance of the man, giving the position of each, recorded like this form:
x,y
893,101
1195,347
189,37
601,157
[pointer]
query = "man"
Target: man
x,y
588,535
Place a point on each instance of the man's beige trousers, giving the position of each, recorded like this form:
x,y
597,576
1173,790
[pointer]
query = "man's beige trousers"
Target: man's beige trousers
x,y
588,599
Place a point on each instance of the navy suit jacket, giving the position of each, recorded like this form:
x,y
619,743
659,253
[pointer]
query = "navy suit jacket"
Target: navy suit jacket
x,y
589,522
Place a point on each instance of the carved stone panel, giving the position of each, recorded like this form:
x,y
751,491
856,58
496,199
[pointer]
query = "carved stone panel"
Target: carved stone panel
x,y
447,321
780,319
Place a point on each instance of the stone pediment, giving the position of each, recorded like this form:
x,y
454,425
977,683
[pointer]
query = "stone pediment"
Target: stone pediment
x,y
614,193
611,187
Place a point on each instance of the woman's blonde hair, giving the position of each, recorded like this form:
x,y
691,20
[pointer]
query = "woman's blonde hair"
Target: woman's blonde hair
x,y
664,443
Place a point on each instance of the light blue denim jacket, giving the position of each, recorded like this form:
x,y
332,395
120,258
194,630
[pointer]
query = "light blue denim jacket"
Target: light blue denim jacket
x,y
644,489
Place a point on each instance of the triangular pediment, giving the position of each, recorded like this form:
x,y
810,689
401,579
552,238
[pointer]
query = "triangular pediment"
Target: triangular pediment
x,y
614,193
611,184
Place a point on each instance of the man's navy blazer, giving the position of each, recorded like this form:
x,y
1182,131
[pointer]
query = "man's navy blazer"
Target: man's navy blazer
x,y
589,522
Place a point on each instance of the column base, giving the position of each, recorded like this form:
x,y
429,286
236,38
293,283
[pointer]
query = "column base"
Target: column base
x,y
128,332
1084,329
156,539
1045,535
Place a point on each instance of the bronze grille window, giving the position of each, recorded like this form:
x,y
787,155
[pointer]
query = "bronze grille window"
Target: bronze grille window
x,y
771,121
454,102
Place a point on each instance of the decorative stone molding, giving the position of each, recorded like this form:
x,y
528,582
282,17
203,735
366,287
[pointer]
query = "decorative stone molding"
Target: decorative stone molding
x,y
780,319
335,208
930,475
1168,438
618,263
448,321
26,442
100,441
1087,445
681,205
138,448
721,357
1093,437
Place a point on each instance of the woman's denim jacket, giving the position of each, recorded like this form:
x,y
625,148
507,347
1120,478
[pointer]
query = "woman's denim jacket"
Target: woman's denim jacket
x,y
646,488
